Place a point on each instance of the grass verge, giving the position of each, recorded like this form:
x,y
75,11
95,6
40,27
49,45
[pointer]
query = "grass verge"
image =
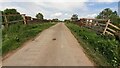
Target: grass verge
x,y
17,34
103,50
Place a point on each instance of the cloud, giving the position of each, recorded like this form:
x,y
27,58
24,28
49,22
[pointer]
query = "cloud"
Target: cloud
x,y
92,15
64,8
61,10
57,14
43,0
69,6
91,4
106,0
66,14
59,0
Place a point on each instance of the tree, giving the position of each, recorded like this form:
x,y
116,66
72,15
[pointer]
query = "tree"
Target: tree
x,y
74,17
109,14
10,18
16,14
39,16
55,20
66,20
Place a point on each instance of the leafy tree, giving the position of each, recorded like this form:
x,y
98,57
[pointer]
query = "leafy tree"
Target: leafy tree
x,y
55,20
39,16
115,18
109,14
66,20
16,14
74,17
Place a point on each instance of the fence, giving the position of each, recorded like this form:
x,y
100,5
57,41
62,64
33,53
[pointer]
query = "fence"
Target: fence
x,y
103,26
114,29
25,19
6,22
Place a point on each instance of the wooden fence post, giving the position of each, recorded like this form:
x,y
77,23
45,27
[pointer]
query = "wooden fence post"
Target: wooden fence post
x,y
106,26
86,24
25,22
6,21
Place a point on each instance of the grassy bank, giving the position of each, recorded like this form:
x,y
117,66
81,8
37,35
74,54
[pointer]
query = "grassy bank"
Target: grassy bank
x,y
17,34
103,50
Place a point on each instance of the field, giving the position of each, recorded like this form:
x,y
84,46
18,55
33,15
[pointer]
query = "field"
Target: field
x,y
104,50
17,34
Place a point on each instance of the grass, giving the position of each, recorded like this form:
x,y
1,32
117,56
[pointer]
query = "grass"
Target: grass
x,y
0,42
103,50
16,34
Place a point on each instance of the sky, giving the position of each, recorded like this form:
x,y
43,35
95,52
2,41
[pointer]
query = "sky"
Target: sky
x,y
61,9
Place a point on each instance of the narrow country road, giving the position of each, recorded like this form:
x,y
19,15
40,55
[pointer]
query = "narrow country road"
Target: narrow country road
x,y
55,46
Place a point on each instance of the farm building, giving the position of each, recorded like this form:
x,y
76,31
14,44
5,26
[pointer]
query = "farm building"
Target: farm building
x,y
28,18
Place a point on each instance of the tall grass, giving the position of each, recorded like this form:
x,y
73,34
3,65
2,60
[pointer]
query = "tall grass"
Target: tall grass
x,y
16,34
105,50
0,41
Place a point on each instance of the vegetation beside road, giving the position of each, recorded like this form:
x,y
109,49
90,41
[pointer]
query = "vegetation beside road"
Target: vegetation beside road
x,y
16,34
103,50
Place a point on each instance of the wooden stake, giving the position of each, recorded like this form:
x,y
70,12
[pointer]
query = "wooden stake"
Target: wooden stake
x,y
25,22
106,27
6,21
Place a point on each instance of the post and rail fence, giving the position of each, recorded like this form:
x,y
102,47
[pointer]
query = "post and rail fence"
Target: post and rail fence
x,y
25,19
7,22
103,26
109,30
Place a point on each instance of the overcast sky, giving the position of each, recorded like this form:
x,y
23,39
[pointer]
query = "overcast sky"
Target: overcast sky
x,y
62,9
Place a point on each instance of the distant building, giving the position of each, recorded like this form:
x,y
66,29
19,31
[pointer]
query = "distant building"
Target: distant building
x,y
28,18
